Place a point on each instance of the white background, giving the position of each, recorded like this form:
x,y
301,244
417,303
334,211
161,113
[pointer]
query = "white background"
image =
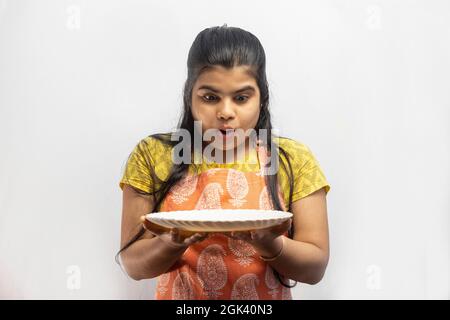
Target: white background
x,y
365,84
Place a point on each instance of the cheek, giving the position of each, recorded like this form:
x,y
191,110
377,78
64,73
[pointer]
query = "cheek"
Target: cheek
x,y
200,113
197,112
251,118
256,116
194,113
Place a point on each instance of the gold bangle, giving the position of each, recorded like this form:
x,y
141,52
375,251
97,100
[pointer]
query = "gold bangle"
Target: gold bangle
x,y
277,255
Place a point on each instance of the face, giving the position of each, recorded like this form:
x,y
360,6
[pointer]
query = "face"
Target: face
x,y
226,98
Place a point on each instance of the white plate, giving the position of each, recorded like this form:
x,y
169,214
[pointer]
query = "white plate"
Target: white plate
x,y
219,219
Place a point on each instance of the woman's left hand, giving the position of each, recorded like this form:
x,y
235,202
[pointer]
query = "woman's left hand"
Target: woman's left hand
x,y
263,240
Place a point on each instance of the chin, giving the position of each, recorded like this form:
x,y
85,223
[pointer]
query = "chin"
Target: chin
x,y
228,147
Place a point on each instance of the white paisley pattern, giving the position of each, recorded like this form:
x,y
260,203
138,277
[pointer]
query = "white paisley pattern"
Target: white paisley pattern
x,y
264,201
183,287
212,271
242,250
181,191
271,282
210,197
237,187
163,281
245,288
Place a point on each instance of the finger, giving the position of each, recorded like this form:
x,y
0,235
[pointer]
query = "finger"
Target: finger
x,y
287,224
236,235
185,233
179,235
154,228
153,232
230,235
282,227
241,235
191,240
198,237
175,235
226,233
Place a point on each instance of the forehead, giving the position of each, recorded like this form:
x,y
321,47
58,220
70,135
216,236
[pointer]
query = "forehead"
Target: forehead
x,y
226,80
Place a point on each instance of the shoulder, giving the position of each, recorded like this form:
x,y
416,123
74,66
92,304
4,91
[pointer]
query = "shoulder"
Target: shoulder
x,y
155,145
156,151
296,151
307,172
289,143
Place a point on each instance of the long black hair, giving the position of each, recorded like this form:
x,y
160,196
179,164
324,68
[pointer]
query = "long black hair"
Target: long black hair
x,y
228,47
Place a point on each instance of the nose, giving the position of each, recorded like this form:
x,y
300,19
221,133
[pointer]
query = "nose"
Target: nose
x,y
225,111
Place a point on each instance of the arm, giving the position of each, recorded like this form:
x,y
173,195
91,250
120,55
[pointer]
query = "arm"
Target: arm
x,y
305,257
149,256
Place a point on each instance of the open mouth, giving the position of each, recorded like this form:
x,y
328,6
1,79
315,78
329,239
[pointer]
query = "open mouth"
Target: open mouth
x,y
227,132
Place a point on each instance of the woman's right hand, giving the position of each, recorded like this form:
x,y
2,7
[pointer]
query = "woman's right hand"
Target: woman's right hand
x,y
175,238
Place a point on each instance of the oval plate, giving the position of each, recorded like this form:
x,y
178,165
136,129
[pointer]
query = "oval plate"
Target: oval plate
x,y
219,220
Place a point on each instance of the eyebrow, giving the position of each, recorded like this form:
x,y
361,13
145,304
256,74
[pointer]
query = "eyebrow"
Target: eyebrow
x,y
207,87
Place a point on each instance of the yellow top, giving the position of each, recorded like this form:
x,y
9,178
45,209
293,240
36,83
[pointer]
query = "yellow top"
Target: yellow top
x,y
150,152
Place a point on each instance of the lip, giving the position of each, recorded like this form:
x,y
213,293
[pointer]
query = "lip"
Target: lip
x,y
226,128
229,132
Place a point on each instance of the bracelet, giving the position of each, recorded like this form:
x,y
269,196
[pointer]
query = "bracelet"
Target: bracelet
x,y
277,255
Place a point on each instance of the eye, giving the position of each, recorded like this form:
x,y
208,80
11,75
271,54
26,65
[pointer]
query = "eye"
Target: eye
x,y
242,98
209,98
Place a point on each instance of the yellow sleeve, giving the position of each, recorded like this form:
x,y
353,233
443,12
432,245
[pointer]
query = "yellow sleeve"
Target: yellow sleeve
x,y
137,171
308,175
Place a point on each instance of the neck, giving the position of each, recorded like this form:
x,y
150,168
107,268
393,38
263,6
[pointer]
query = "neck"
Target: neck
x,y
234,155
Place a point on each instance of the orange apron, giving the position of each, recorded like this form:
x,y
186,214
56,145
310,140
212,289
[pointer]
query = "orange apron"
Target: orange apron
x,y
221,267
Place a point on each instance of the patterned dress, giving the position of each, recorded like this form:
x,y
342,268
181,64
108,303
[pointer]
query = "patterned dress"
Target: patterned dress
x,y
221,267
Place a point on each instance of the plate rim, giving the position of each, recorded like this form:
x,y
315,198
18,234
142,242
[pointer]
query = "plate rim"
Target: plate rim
x,y
289,216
